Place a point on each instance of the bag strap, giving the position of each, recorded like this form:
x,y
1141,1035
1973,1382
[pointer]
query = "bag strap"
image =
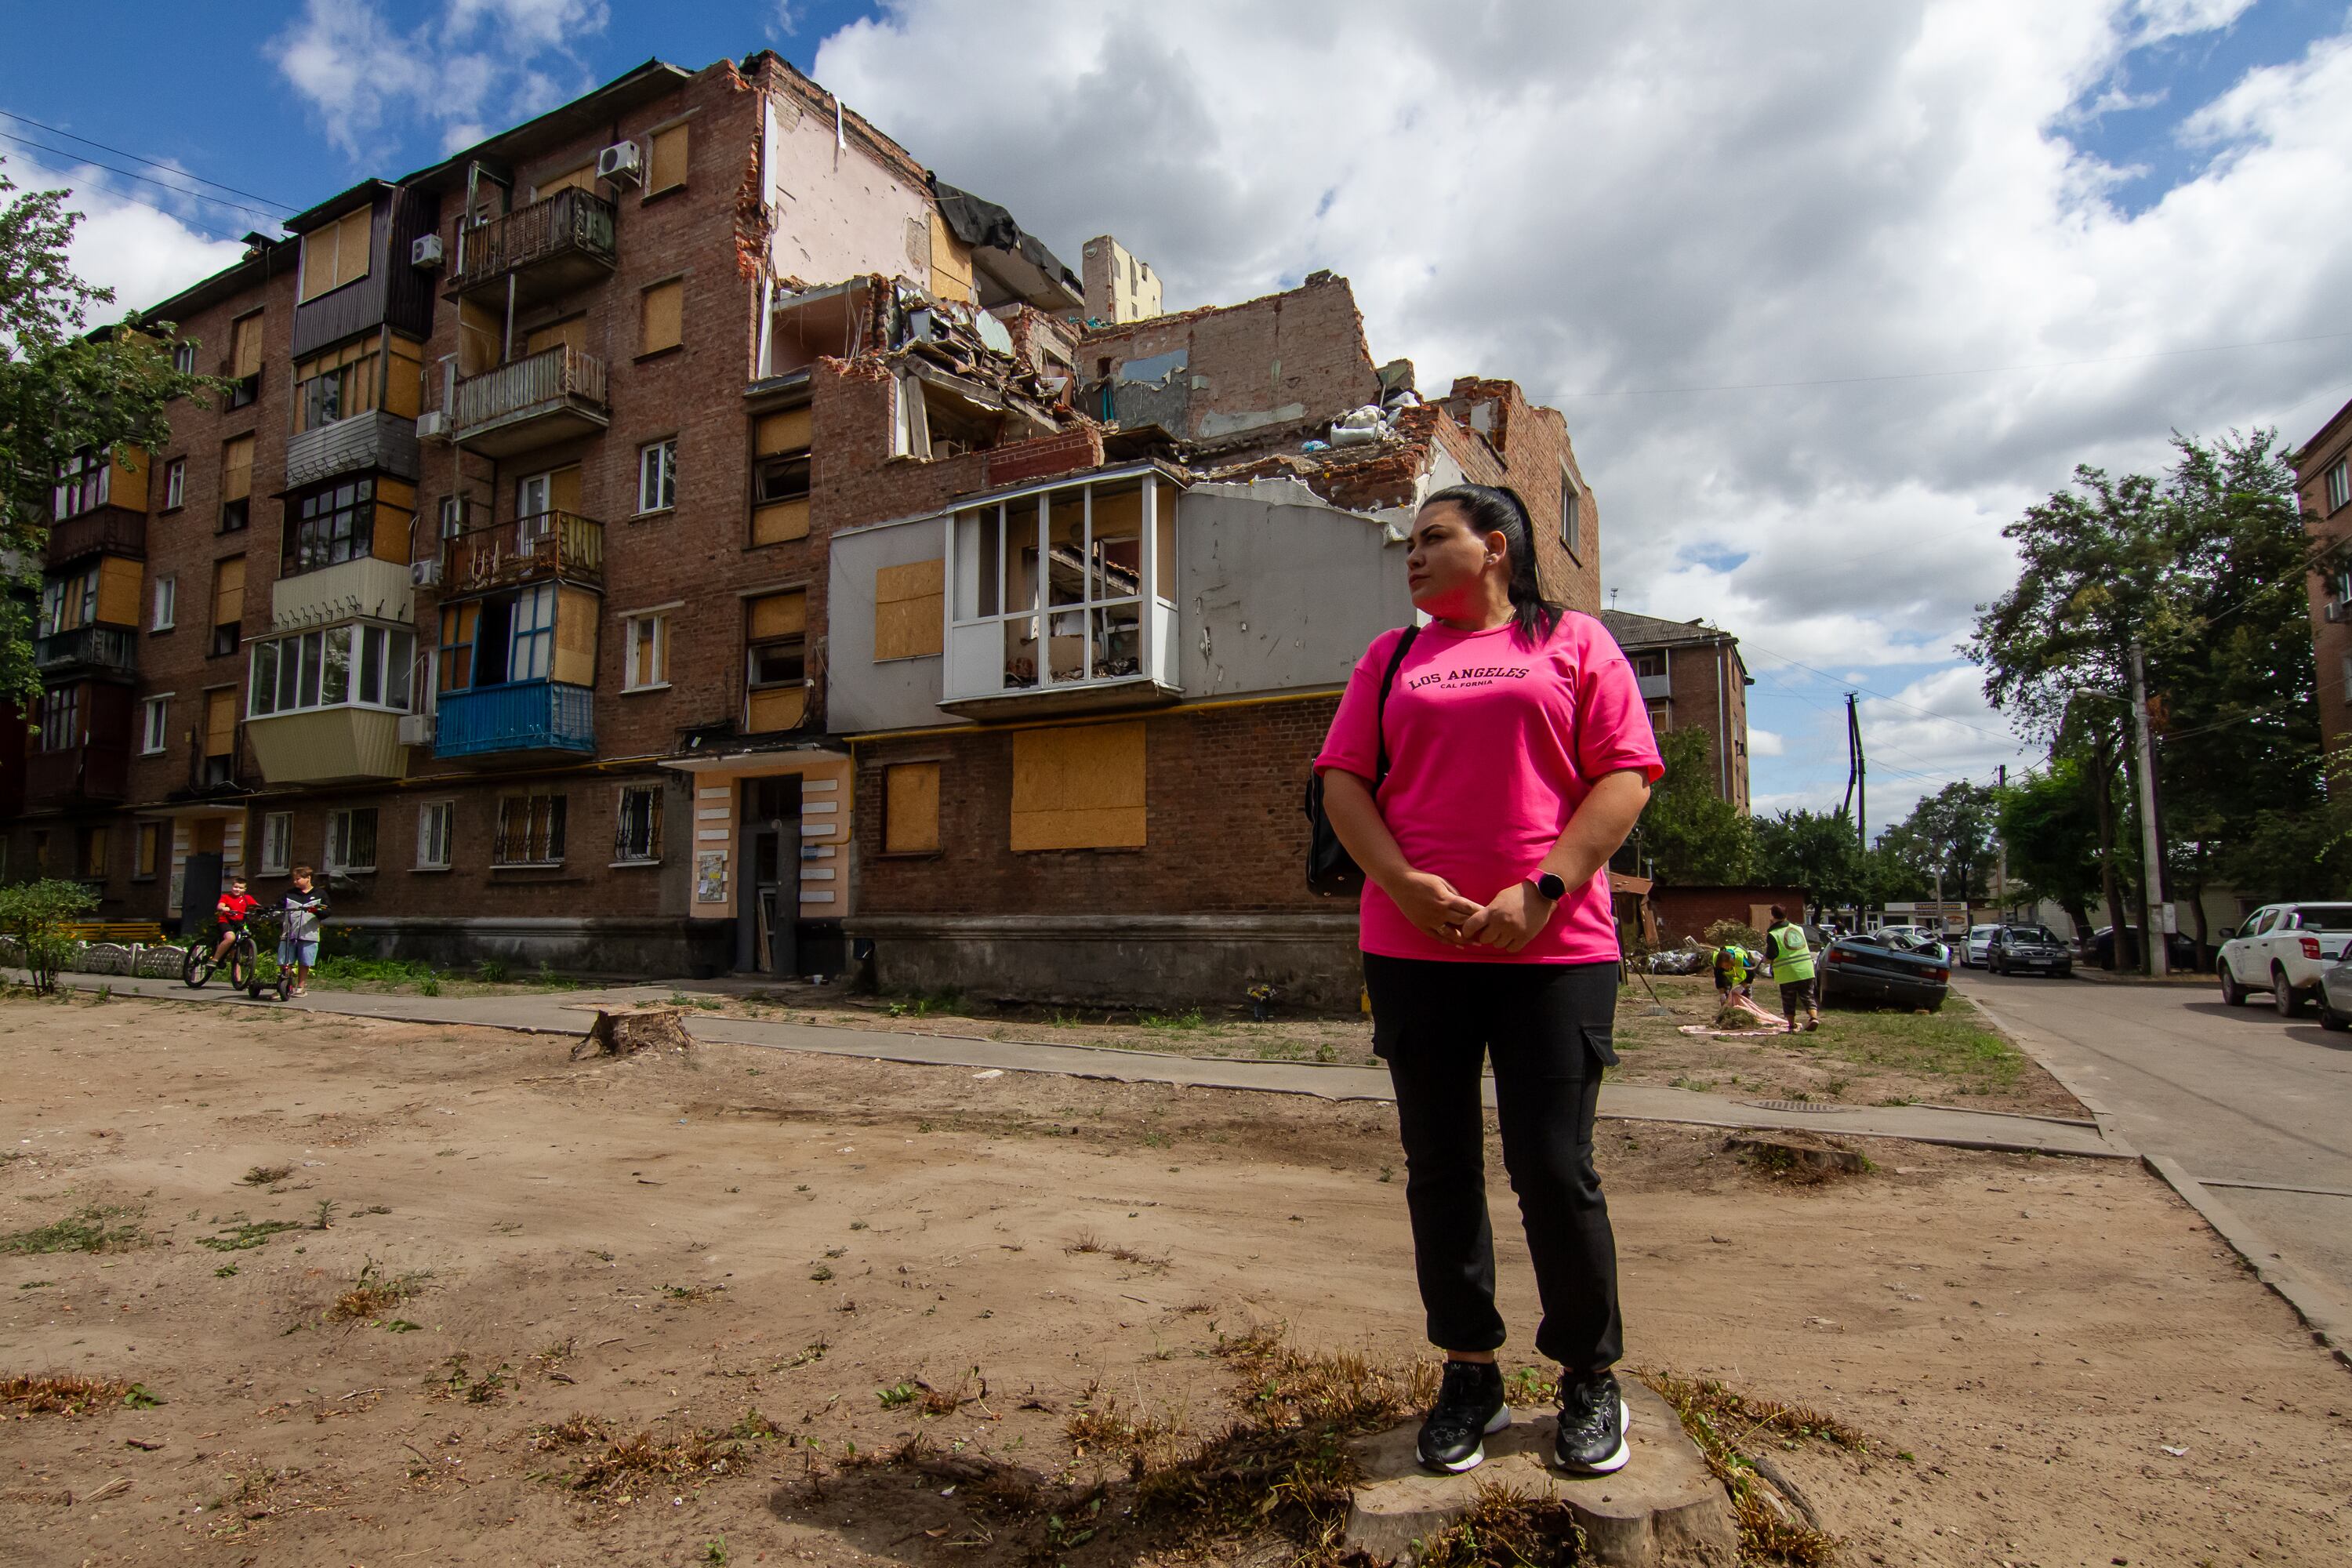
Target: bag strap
x,y
1379,715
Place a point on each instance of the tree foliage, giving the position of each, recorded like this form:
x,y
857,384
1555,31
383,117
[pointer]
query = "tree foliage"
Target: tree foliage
x,y
36,914
1815,850
1689,835
2048,824
63,390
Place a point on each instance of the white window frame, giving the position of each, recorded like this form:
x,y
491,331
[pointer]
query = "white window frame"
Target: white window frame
x,y
434,818
2339,483
154,724
657,476
167,603
339,833
277,843
175,484
632,676
184,358
1571,513
363,647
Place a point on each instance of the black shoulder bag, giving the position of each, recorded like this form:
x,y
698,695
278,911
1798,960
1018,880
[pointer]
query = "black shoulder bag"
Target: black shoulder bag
x,y
1330,870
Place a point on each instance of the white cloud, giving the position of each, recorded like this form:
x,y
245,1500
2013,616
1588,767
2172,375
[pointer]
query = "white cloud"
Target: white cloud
x,y
1686,197
1764,743
144,255
495,62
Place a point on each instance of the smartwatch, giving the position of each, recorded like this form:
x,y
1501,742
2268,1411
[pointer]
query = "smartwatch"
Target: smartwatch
x,y
1548,884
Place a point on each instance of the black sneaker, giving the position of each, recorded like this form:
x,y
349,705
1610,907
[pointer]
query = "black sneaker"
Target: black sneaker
x,y
1469,1405
1592,1418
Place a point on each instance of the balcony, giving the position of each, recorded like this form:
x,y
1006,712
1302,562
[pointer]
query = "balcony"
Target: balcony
x,y
1655,686
329,746
555,395
95,773
380,590
108,529
553,545
93,650
364,443
525,717
548,248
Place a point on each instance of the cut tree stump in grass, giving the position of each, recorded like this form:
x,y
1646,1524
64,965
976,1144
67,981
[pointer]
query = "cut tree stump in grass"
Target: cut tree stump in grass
x,y
1798,1155
626,1034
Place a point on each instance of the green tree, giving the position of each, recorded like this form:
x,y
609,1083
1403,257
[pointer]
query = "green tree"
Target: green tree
x,y
1689,835
2050,830
36,914
1815,850
63,390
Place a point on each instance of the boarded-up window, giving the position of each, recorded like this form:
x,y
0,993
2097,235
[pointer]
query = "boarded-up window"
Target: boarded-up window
x,y
229,591
775,662
150,840
668,159
910,808
122,587
244,349
1078,788
236,468
780,477
583,178
337,253
909,610
661,317
575,636
220,722
573,331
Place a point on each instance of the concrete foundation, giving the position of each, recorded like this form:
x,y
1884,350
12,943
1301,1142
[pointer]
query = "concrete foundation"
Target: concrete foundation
x,y
647,949
1155,961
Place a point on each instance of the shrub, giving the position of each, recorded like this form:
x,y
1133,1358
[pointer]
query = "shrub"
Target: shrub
x,y
1734,931
36,914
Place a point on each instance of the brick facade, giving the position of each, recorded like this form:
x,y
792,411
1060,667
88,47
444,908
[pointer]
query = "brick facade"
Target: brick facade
x,y
2329,522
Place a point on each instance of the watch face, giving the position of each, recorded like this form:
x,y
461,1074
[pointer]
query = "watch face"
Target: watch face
x,y
1550,886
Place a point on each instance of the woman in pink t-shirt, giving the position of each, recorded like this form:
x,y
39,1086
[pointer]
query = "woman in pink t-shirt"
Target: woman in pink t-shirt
x,y
1518,757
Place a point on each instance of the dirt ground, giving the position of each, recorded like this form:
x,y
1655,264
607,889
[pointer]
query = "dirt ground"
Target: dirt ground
x,y
2055,1361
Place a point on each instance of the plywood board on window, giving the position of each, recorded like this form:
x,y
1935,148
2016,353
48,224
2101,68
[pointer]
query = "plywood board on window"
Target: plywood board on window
x,y
563,488
909,610
404,378
244,346
229,591
779,615
583,178
1079,788
236,468
777,708
127,486
910,808
576,616
668,160
220,722
481,338
392,527
780,520
351,237
661,316
572,331
119,585
784,432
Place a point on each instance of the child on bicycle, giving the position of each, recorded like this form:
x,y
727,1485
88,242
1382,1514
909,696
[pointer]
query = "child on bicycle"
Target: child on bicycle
x,y
234,908
298,943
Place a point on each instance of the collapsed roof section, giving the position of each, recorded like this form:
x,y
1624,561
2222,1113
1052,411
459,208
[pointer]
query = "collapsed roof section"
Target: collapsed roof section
x,y
1010,265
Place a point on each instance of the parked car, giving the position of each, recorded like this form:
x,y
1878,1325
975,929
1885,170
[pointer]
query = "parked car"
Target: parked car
x,y
2027,949
1880,968
1972,950
2179,950
2336,996
2284,949
1919,940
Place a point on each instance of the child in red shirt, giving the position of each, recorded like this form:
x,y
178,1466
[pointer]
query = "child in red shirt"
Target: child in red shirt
x,y
234,908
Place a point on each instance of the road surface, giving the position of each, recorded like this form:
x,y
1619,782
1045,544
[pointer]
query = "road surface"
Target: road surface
x,y
2257,1108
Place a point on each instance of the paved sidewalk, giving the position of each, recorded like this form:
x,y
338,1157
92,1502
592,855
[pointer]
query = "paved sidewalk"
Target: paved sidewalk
x,y
569,1012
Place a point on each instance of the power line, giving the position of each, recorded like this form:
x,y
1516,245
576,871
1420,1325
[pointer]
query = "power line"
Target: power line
x,y
128,174
1909,707
1943,375
200,225
167,168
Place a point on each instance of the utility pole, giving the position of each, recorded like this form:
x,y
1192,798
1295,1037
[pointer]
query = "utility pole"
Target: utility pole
x,y
2000,866
1857,777
2153,905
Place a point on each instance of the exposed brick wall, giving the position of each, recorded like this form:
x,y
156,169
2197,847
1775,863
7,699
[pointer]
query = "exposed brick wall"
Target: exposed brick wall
x,y
1688,912
1531,443
1239,846
1708,693
1304,346
2330,529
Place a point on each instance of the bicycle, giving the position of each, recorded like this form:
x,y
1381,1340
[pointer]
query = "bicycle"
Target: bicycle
x,y
200,964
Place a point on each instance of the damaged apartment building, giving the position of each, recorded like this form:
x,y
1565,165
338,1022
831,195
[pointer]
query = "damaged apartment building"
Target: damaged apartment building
x,y
681,536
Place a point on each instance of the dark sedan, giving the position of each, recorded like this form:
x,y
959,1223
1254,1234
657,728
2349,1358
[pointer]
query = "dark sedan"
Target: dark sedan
x,y
2181,948
2028,950
1871,971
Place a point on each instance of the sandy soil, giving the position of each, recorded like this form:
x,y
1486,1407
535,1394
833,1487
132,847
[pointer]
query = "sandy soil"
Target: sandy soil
x,y
2057,1362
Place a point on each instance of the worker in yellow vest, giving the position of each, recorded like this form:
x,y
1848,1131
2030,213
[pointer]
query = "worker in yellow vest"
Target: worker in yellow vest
x,y
1790,963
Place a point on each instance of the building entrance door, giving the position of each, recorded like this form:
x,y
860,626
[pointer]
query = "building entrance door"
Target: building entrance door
x,y
768,896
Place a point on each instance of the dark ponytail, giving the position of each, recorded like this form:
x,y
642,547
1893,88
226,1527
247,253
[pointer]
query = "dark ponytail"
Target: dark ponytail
x,y
1497,509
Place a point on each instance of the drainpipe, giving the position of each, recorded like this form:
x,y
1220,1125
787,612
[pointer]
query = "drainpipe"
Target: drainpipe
x,y
1722,740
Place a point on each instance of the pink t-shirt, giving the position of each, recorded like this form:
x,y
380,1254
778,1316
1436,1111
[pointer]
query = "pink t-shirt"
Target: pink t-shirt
x,y
1492,745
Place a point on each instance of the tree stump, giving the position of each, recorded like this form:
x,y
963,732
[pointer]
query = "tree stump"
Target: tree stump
x,y
626,1034
1798,1154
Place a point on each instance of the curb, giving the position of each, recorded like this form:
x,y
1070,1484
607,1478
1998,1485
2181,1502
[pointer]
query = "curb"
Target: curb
x,y
2328,1319
2033,1046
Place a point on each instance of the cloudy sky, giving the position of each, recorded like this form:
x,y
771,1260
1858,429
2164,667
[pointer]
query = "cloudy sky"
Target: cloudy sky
x,y
1829,291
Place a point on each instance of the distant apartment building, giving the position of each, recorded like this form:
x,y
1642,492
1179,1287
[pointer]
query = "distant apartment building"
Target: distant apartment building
x,y
1120,286
2323,482
680,536
1693,677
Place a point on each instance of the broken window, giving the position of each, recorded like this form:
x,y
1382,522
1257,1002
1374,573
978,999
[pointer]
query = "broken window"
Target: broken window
x,y
336,385
236,483
1571,510
780,476
775,662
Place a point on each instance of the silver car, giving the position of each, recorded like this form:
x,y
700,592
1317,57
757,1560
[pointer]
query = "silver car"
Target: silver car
x,y
1972,950
2336,996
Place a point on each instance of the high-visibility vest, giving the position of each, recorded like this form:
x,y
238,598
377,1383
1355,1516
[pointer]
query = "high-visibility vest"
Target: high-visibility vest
x,y
1732,964
1795,960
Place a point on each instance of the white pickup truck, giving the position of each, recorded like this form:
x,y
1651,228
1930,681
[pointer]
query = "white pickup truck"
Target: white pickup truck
x,y
2283,949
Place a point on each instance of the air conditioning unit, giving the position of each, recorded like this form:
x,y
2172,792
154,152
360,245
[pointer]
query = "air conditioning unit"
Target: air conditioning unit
x,y
425,573
424,252
621,164
432,426
417,729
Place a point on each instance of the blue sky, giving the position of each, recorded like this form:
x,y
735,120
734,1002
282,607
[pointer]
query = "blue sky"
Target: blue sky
x,y
1829,294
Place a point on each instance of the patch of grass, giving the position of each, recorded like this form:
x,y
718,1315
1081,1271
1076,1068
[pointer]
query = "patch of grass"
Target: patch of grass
x,y
897,1395
491,971
1188,1019
1087,1242
485,1389
238,1233
340,972
1141,1259
575,1429
94,1227
372,1294
1723,1423
625,1469
70,1393
1141,1439
266,1176
691,1292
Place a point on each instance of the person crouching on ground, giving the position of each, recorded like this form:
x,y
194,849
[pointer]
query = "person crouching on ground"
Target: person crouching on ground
x,y
1518,757
1792,965
298,941
1734,968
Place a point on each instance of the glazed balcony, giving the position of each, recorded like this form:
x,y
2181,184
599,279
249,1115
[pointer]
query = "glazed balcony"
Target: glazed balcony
x,y
558,545
94,650
549,248
520,721
97,772
106,529
554,395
